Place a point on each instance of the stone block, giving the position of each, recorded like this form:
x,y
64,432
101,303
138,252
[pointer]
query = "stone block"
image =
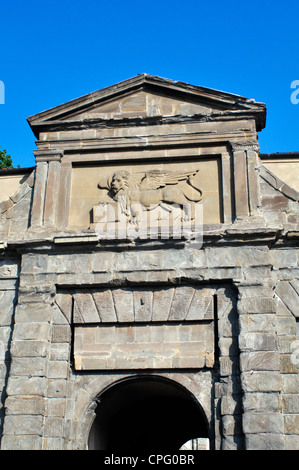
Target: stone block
x,y
230,405
286,325
180,303
24,424
264,402
162,299
232,425
260,360
85,308
33,405
258,342
291,442
27,386
255,423
290,403
257,305
289,364
54,427
123,301
283,258
232,443
64,301
58,370
26,348
265,441
33,312
12,442
57,388
226,366
61,334
289,296
228,347
257,323
105,305
5,205
20,212
264,381
7,305
32,331
291,424
28,366
56,407
9,268
60,351
142,301
290,383
53,443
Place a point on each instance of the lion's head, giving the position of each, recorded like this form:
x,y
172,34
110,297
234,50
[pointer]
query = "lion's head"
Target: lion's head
x,y
122,182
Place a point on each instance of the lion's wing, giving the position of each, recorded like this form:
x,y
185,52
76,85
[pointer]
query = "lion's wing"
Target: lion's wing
x,y
155,179
104,183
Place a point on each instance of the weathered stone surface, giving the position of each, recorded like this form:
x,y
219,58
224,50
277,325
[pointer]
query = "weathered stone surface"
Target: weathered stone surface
x,y
148,346
258,342
291,442
26,425
257,305
289,296
262,422
142,304
291,424
27,386
33,405
162,299
84,308
261,381
265,441
255,402
290,383
259,360
105,305
9,442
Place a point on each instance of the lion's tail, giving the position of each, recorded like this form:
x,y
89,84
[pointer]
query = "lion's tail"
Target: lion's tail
x,y
197,197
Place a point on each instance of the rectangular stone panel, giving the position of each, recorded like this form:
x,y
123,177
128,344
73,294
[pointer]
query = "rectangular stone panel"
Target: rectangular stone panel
x,y
144,346
86,194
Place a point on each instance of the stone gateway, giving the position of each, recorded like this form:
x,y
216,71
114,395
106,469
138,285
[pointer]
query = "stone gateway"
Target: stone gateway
x,y
149,277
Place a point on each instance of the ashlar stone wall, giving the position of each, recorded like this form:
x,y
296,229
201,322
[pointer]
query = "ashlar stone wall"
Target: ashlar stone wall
x,y
49,401
9,272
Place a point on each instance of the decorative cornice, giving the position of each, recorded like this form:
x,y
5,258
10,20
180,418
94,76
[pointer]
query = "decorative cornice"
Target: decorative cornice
x,y
214,99
48,155
245,145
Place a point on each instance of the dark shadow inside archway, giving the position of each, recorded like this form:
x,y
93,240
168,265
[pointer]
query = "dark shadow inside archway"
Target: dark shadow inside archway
x,y
146,414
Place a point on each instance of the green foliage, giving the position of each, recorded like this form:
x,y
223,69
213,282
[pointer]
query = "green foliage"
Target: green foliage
x,y
5,160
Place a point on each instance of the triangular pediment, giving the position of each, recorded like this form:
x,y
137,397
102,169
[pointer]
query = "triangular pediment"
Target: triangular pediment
x,y
146,96
141,103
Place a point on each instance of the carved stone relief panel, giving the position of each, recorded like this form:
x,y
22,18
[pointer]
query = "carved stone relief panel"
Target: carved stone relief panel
x,y
141,193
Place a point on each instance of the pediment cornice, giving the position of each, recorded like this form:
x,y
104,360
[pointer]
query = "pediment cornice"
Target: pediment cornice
x,y
219,105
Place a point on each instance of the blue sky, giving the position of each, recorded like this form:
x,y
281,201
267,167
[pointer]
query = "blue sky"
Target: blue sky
x,y
52,52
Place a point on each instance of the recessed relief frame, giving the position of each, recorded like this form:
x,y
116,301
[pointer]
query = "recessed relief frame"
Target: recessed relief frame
x,y
146,200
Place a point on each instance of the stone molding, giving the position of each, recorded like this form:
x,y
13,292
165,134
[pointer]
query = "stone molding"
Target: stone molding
x,y
278,184
48,155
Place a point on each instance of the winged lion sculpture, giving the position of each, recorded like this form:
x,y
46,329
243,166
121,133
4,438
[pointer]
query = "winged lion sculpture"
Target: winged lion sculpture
x,y
157,188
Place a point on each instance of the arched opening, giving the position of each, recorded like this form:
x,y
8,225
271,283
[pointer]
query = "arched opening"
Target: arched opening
x,y
146,414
